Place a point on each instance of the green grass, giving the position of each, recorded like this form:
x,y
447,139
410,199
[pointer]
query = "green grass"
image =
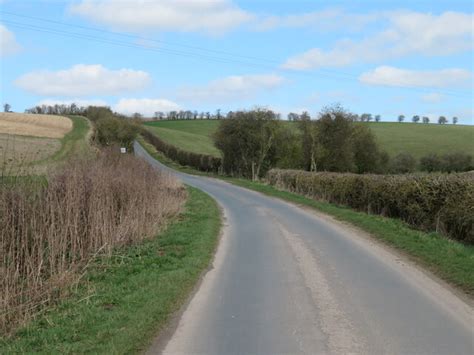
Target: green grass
x,y
75,141
418,139
193,136
124,300
421,139
450,260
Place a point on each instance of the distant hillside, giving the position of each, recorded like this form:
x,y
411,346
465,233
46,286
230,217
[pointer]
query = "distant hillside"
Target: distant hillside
x,y
416,138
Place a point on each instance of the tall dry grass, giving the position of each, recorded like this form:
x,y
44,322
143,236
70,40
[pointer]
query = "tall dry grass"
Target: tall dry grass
x,y
51,229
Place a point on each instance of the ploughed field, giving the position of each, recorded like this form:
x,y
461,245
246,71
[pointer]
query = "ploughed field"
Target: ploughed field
x,y
393,137
27,139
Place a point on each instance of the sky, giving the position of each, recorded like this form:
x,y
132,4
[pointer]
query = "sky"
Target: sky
x,y
380,57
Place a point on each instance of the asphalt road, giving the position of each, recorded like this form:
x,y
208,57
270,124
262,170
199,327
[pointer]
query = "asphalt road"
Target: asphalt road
x,y
286,280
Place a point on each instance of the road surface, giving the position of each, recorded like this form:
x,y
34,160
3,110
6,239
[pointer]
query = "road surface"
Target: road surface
x,y
286,280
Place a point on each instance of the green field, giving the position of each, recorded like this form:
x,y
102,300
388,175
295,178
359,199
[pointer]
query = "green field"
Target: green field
x,y
421,139
193,136
417,139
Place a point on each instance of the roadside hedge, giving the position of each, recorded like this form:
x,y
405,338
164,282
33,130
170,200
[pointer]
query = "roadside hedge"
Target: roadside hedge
x,y
201,162
431,202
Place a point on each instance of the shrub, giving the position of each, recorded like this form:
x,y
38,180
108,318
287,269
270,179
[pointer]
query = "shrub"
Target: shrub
x,y
50,231
110,128
403,163
440,202
453,162
367,156
457,162
431,162
115,131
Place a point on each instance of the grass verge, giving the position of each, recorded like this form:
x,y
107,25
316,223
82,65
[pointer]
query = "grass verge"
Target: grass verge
x,y
450,260
75,141
124,300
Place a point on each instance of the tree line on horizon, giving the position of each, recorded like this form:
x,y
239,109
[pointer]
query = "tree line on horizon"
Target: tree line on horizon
x,y
74,109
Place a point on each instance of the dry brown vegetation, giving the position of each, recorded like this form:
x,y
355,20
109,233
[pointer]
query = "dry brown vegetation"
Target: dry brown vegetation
x,y
34,125
51,230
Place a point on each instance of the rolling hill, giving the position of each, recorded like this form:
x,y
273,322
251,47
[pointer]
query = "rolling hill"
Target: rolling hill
x,y
417,139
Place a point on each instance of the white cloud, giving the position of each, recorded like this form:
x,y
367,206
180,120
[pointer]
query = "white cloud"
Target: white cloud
x,y
316,58
8,43
428,34
146,107
78,102
211,16
433,97
391,76
408,33
233,87
83,80
332,19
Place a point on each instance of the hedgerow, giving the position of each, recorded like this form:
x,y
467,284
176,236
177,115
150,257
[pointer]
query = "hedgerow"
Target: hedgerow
x,y
201,162
431,202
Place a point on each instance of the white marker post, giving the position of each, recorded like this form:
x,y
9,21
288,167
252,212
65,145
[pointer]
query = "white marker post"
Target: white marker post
x,y
123,150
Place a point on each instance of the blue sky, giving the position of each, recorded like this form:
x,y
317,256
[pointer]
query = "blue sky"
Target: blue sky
x,y
388,58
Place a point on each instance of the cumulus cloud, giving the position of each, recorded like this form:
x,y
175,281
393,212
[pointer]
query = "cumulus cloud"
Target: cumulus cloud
x,y
408,33
447,33
83,80
391,76
233,87
145,106
211,16
8,43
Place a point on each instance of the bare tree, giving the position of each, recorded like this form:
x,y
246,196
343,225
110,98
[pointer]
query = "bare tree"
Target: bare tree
x,y
455,120
426,119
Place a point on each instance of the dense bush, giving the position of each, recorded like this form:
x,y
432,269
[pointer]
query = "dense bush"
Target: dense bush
x,y
51,230
457,162
432,202
115,131
201,162
403,163
431,162
111,129
452,162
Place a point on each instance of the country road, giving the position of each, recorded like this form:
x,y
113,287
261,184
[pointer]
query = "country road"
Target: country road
x,y
289,280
